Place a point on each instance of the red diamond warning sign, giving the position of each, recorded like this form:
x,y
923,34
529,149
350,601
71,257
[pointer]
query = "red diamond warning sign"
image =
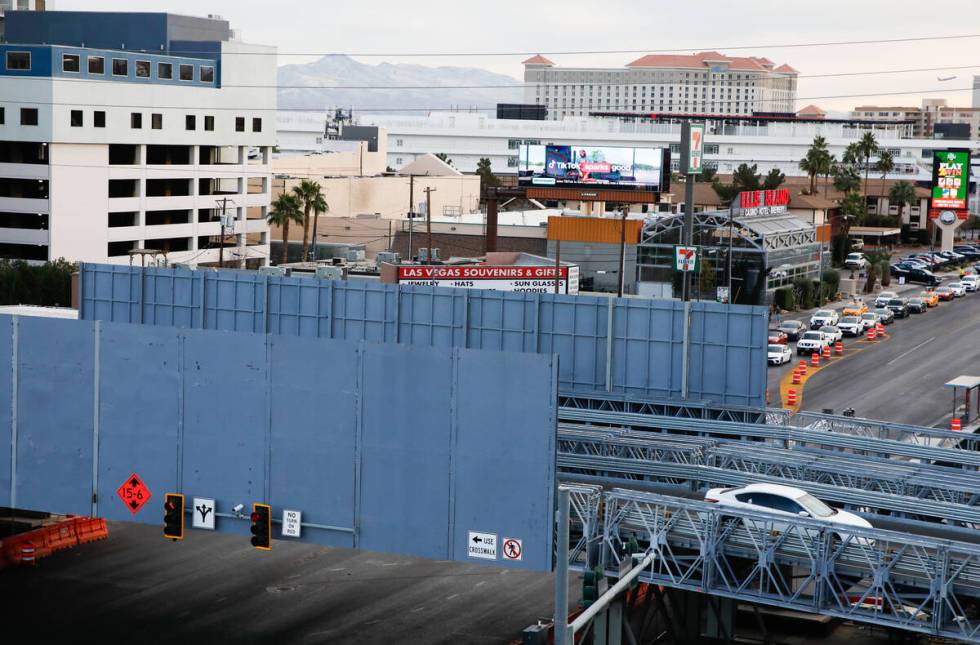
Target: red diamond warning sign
x,y
134,493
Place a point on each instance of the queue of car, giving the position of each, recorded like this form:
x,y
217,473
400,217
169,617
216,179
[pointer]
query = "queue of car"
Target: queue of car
x,y
827,326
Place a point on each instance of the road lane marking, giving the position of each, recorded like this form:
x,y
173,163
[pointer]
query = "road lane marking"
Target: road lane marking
x,y
903,354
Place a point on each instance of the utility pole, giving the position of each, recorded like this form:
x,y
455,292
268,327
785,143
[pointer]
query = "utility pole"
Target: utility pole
x,y
411,212
222,220
692,146
731,223
428,219
622,250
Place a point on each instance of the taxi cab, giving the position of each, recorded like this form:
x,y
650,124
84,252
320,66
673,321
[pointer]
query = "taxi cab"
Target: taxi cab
x,y
855,308
931,298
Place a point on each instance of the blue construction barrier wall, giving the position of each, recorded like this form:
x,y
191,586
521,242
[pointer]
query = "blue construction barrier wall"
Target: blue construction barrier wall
x,y
382,447
645,342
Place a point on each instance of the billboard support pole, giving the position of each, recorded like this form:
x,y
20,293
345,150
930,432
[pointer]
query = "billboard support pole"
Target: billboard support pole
x,y
731,229
411,212
428,222
622,251
687,238
557,265
490,244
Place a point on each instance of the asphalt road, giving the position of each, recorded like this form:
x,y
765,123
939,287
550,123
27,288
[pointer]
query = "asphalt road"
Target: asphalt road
x,y
901,378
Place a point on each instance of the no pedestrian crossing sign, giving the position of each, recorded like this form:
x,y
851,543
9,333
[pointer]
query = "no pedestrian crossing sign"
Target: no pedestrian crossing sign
x,y
685,258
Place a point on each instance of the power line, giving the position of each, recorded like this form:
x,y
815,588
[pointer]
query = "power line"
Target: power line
x,y
583,52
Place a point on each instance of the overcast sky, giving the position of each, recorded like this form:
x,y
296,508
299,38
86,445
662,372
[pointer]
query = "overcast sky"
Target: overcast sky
x,y
424,26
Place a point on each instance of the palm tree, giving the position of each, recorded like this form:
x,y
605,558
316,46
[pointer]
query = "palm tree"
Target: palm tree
x,y
886,164
827,164
867,146
286,209
319,206
902,193
310,195
810,164
846,178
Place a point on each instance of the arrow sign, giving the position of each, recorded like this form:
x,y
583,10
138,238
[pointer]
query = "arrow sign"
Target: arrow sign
x,y
134,493
482,546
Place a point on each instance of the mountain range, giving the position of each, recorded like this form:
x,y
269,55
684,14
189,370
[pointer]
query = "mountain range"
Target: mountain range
x,y
329,83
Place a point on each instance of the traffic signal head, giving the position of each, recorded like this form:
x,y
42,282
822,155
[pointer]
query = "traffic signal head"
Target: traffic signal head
x,y
262,526
173,516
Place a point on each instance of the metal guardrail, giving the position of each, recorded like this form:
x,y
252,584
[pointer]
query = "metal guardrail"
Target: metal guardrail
x,y
914,583
779,435
869,428
880,486
679,408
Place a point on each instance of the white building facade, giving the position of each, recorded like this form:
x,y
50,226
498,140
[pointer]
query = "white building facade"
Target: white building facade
x,y
106,150
467,137
702,83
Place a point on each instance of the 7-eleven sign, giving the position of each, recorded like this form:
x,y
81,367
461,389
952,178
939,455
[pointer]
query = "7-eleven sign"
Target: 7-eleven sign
x,y
685,258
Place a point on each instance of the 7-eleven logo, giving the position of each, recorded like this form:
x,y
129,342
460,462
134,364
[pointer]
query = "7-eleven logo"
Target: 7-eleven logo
x,y
686,258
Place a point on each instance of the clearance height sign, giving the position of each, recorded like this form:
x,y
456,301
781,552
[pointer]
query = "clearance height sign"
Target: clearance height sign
x,y
537,279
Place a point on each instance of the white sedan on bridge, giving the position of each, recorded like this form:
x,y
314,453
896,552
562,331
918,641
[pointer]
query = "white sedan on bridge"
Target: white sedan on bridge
x,y
785,500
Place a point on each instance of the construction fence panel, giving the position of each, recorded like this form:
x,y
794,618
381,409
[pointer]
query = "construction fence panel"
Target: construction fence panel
x,y
618,346
381,446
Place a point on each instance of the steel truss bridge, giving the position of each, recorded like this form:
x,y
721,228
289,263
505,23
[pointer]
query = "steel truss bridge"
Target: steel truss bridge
x,y
636,472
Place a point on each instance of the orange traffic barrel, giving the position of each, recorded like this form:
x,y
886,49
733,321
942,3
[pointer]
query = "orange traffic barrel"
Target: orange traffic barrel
x,y
826,352
839,348
880,329
956,424
797,377
802,366
27,553
871,333
815,359
791,397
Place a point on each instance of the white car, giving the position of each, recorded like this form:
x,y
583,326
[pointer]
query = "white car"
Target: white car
x,y
812,342
870,319
855,261
957,288
779,354
832,332
970,282
884,297
823,317
786,501
851,325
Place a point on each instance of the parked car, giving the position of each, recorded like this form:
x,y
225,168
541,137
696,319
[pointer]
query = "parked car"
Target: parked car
x,y
931,298
857,243
884,297
917,306
922,276
851,325
832,332
957,288
792,329
971,282
952,256
778,337
871,319
885,315
855,308
812,342
855,261
823,317
969,252
779,354
786,501
945,293
899,307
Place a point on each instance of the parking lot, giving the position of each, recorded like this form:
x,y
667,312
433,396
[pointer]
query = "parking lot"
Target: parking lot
x,y
898,377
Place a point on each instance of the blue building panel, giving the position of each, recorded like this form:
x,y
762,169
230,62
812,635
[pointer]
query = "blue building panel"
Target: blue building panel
x,y
139,416
55,386
405,442
315,407
726,349
226,424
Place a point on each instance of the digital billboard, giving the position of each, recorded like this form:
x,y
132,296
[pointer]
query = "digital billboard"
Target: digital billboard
x,y
951,179
581,165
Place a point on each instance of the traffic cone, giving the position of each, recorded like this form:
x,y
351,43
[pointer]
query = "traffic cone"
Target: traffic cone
x,y
791,397
815,359
871,334
826,353
956,424
839,348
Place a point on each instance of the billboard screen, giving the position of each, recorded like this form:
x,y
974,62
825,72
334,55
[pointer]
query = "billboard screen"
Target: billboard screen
x,y
951,179
581,165
532,279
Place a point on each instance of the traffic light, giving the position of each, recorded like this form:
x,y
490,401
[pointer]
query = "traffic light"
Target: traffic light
x,y
173,516
262,526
